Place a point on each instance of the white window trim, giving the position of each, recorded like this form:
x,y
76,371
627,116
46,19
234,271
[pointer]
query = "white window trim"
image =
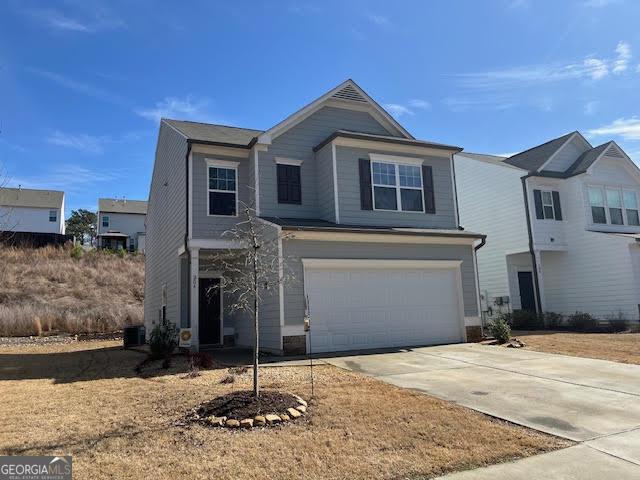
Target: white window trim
x,y
288,161
108,221
603,189
553,208
397,187
409,161
228,164
55,216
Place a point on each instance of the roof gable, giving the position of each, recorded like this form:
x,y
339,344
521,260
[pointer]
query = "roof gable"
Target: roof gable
x,y
346,95
31,198
534,158
208,133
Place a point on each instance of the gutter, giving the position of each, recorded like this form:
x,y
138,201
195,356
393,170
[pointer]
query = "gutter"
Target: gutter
x,y
532,251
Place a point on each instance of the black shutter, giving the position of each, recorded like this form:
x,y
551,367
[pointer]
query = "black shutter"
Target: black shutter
x,y
556,205
366,195
289,185
537,199
427,186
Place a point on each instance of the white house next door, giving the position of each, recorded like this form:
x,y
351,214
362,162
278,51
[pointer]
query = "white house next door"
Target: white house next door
x,y
360,304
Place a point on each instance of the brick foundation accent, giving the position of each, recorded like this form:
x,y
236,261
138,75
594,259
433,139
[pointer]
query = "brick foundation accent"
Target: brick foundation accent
x,y
474,333
294,345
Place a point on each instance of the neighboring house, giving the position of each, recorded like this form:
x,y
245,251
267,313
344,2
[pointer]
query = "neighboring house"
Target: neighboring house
x,y
121,224
376,246
562,227
31,211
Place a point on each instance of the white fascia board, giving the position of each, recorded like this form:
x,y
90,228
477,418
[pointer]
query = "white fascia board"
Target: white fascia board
x,y
378,157
378,264
214,162
224,151
393,238
288,161
389,147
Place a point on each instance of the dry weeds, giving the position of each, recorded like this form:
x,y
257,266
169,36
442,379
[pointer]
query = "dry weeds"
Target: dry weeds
x,y
617,347
45,290
84,399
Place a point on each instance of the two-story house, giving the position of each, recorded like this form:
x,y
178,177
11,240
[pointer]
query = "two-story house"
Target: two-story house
x,y
121,224
562,225
31,211
364,214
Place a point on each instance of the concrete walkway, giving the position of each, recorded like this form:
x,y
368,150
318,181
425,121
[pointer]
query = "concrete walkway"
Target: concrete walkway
x,y
593,402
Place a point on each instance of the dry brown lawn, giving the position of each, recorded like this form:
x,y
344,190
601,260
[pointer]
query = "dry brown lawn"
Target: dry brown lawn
x,y
618,347
45,289
84,399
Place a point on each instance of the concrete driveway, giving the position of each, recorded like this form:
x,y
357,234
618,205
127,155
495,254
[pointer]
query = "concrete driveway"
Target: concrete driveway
x,y
594,402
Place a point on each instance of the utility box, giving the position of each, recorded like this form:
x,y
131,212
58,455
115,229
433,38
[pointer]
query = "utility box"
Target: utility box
x,y
133,336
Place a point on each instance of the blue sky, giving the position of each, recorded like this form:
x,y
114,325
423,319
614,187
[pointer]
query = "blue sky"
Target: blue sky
x,y
83,83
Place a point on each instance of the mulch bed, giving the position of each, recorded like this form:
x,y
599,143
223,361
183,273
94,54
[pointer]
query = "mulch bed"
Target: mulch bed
x,y
239,405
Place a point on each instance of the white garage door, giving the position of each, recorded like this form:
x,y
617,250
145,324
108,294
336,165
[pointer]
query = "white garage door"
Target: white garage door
x,y
359,304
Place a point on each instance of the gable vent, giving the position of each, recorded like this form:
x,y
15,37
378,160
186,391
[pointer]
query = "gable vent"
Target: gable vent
x,y
613,151
349,93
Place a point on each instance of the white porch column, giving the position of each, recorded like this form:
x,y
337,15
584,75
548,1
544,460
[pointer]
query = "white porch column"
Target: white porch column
x,y
538,267
194,297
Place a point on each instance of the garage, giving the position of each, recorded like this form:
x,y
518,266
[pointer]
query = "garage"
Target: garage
x,y
363,304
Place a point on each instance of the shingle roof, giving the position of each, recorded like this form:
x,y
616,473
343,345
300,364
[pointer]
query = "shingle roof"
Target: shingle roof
x,y
216,134
533,158
585,160
114,205
384,138
25,197
317,225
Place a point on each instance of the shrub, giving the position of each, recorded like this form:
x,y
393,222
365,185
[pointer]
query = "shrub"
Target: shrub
x,y
617,323
582,322
201,360
552,320
499,329
76,252
121,252
526,320
163,339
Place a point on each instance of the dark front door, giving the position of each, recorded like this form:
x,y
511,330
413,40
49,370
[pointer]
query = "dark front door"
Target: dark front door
x,y
527,298
209,311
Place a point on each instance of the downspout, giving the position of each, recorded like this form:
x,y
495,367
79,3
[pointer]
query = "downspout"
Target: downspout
x,y
531,249
483,241
186,229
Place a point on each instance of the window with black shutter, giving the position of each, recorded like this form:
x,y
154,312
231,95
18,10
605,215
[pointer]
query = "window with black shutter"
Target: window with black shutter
x,y
289,186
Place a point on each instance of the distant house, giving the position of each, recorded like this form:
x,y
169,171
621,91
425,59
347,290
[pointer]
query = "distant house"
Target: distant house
x,y
563,227
121,224
31,211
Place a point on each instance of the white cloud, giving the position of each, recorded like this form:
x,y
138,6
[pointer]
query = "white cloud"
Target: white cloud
x,y
379,20
596,68
67,177
76,86
624,57
418,103
82,142
397,110
92,20
591,107
187,108
627,128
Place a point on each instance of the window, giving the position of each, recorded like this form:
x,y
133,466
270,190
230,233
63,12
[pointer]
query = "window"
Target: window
x,y
397,187
547,205
53,215
222,188
631,207
614,202
289,186
596,200
105,221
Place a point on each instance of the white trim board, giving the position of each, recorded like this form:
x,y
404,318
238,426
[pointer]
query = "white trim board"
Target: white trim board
x,y
350,263
381,238
381,158
288,161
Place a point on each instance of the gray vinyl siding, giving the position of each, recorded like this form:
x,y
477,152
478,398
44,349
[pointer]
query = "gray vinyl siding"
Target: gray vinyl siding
x,y
349,194
205,226
165,226
326,195
128,223
298,143
295,250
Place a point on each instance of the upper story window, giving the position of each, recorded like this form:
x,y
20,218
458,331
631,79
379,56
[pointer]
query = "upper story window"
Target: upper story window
x,y
222,187
105,221
547,204
614,206
397,187
289,184
53,215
